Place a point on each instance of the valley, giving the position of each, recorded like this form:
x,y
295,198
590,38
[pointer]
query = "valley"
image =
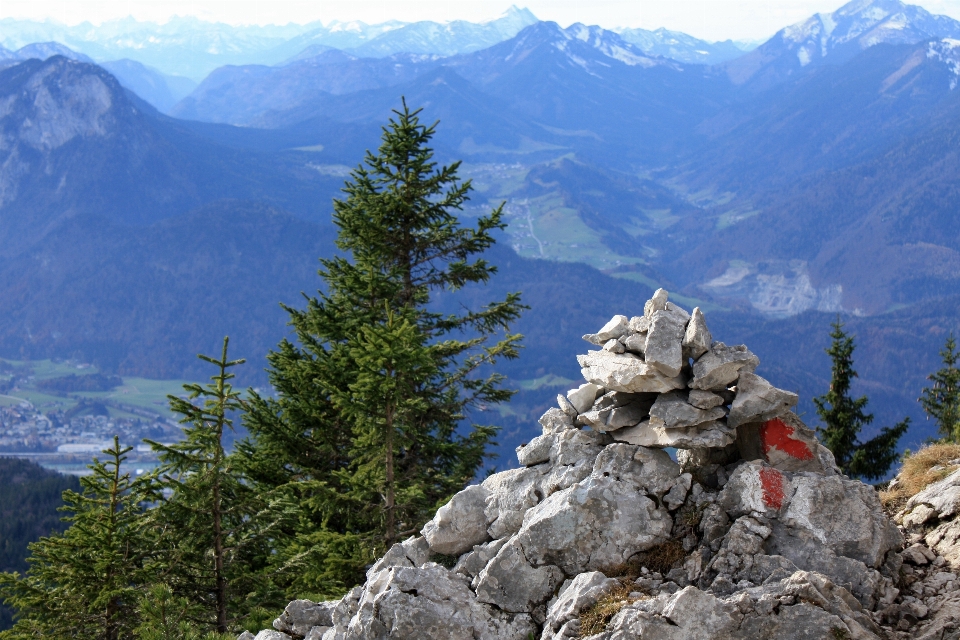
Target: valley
x,y
144,217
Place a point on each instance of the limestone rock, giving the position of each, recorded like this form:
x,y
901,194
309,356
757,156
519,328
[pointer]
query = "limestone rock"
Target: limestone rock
x,y
512,493
598,523
472,563
583,396
246,635
300,616
429,603
536,451
829,524
785,443
657,302
696,338
671,410
721,365
709,435
704,399
267,634
616,327
648,470
616,410
663,347
460,524
512,584
626,372
757,400
575,596
316,633
944,539
566,406
613,346
635,342
678,492
803,606
943,497
639,324
555,420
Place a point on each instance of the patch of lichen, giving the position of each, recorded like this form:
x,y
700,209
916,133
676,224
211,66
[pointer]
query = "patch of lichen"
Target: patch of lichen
x,y
928,465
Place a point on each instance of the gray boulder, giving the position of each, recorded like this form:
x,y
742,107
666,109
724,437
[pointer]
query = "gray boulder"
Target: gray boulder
x,y
704,399
535,451
300,616
595,524
697,338
460,524
556,420
472,563
663,347
657,302
429,603
721,365
635,342
672,411
575,596
267,634
626,372
583,396
942,497
785,443
651,471
511,494
616,410
566,406
804,606
616,327
709,435
757,400
510,582
829,524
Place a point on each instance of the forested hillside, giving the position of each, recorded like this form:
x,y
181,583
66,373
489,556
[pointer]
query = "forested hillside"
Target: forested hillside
x,y
29,499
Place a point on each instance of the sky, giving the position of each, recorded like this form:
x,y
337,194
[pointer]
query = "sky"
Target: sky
x,y
707,19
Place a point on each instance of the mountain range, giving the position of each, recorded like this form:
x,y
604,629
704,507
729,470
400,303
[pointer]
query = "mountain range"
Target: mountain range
x,y
192,48
776,198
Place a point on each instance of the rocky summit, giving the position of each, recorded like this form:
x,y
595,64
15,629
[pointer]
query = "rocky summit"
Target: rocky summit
x,y
751,533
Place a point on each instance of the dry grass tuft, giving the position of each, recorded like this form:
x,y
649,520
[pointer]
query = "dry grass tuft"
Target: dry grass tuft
x,y
928,465
594,619
660,558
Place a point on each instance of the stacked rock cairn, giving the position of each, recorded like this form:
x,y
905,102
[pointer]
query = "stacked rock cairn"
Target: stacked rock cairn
x,y
767,538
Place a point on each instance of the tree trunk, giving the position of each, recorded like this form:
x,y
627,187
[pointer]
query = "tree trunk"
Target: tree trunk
x,y
391,507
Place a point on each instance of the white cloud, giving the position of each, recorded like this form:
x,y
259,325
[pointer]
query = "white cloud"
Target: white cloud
x,y
710,19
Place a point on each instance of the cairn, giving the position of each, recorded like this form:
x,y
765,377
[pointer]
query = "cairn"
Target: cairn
x,y
751,533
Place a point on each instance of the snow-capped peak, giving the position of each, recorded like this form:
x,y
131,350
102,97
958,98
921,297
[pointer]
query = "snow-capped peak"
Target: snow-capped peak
x,y
947,51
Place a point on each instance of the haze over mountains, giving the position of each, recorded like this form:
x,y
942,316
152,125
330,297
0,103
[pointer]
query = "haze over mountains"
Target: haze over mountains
x,y
814,175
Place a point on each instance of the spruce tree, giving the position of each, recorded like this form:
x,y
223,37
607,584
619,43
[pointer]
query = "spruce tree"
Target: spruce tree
x,y
942,400
844,417
84,582
213,529
367,424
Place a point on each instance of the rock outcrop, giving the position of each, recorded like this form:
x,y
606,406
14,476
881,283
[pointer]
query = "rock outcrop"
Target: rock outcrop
x,y
752,532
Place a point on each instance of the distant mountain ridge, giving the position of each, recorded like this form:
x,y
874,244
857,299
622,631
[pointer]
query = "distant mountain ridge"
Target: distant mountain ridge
x,y
682,47
838,36
191,48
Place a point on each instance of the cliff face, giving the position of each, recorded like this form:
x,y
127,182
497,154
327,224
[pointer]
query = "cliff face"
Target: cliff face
x,y
751,533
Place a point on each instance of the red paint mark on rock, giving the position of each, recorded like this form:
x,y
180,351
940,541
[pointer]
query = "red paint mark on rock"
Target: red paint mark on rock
x,y
771,481
777,434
